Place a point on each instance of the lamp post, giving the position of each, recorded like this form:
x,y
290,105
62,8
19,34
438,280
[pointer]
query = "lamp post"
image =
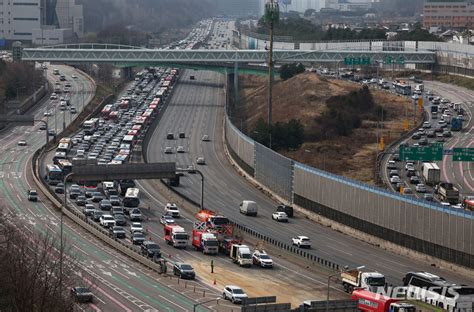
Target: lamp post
x,y
201,303
271,16
202,183
346,268
61,246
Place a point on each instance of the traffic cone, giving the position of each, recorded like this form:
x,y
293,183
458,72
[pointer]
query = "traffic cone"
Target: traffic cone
x,y
215,282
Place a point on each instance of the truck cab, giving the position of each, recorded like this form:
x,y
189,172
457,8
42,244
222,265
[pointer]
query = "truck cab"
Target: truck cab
x,y
205,241
176,236
371,281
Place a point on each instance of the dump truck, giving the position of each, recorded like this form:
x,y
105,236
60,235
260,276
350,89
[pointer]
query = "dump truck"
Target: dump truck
x,y
448,192
372,281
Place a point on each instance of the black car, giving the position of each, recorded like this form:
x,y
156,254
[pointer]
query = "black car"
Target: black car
x,y
97,197
117,232
137,238
81,200
120,219
97,214
82,294
286,209
150,249
184,271
105,204
415,180
182,135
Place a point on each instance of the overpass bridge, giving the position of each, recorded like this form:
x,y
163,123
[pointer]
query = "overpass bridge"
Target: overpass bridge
x,y
120,54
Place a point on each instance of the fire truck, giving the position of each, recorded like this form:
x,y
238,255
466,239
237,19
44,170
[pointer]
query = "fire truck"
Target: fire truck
x,y
220,226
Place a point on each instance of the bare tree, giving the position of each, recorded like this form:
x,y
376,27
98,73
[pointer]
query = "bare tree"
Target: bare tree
x,y
30,269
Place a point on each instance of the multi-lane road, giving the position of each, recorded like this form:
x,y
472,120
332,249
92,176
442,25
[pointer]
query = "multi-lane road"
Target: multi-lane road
x,y
197,108
119,283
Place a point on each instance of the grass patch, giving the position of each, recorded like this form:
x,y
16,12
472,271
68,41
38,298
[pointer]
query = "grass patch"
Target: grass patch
x,y
460,81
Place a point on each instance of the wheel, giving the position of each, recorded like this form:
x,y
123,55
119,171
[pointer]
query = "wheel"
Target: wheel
x,y
224,296
298,245
233,300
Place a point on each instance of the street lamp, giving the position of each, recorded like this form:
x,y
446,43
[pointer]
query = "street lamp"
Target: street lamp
x,y
207,301
271,16
346,269
202,183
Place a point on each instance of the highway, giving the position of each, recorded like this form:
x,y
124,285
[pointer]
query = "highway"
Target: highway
x,y
118,283
197,108
459,173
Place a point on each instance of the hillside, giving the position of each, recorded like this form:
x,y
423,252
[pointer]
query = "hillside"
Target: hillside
x,y
304,97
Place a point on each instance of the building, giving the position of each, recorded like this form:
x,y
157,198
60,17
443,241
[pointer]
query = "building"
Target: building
x,y
455,14
40,21
350,5
239,8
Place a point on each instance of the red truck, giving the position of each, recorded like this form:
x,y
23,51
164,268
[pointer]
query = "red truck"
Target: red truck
x,y
205,242
176,236
373,302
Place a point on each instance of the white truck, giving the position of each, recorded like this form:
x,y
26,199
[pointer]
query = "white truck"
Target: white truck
x,y
431,173
241,255
371,281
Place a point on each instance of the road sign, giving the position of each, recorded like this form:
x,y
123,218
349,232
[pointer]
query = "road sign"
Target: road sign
x,y
423,153
463,154
357,61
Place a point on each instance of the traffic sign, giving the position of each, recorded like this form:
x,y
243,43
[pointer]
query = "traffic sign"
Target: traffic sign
x,y
357,60
463,154
423,153
420,102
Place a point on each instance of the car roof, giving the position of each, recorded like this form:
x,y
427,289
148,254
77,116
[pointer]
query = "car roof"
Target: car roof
x,y
232,287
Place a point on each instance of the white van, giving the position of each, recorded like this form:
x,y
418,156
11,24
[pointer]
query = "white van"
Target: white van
x,y
248,207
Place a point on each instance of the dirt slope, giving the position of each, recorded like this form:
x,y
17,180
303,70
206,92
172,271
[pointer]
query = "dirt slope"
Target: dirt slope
x,y
304,97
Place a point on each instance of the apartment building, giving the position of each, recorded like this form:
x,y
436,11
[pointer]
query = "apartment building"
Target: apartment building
x,y
454,14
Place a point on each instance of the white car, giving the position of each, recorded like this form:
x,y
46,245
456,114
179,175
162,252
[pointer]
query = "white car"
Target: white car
x,y
73,76
168,150
22,143
47,114
280,216
205,138
180,149
200,161
107,220
395,180
301,242
167,220
420,188
262,259
136,227
172,210
233,293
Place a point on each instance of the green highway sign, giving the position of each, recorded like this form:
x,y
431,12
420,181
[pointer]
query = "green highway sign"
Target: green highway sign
x,y
463,154
357,61
422,153
391,60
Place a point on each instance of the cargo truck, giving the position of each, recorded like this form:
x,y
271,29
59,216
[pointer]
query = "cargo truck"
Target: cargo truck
x,y
205,242
431,173
372,281
176,236
241,255
369,301
448,192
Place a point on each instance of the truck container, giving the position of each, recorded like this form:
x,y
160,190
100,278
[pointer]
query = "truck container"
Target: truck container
x,y
241,255
448,192
431,173
353,279
456,124
457,106
205,242
369,301
176,236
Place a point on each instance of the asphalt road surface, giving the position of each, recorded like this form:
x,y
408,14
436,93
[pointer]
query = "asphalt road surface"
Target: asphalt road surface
x,y
197,108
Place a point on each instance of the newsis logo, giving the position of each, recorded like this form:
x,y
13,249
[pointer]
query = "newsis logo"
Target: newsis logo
x,y
425,293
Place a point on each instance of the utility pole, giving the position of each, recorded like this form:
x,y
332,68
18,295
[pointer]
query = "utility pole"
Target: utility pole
x,y
271,17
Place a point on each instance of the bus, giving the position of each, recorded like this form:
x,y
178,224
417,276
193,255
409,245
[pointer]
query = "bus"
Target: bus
x,y
58,156
435,290
62,147
54,175
131,198
402,89
65,166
